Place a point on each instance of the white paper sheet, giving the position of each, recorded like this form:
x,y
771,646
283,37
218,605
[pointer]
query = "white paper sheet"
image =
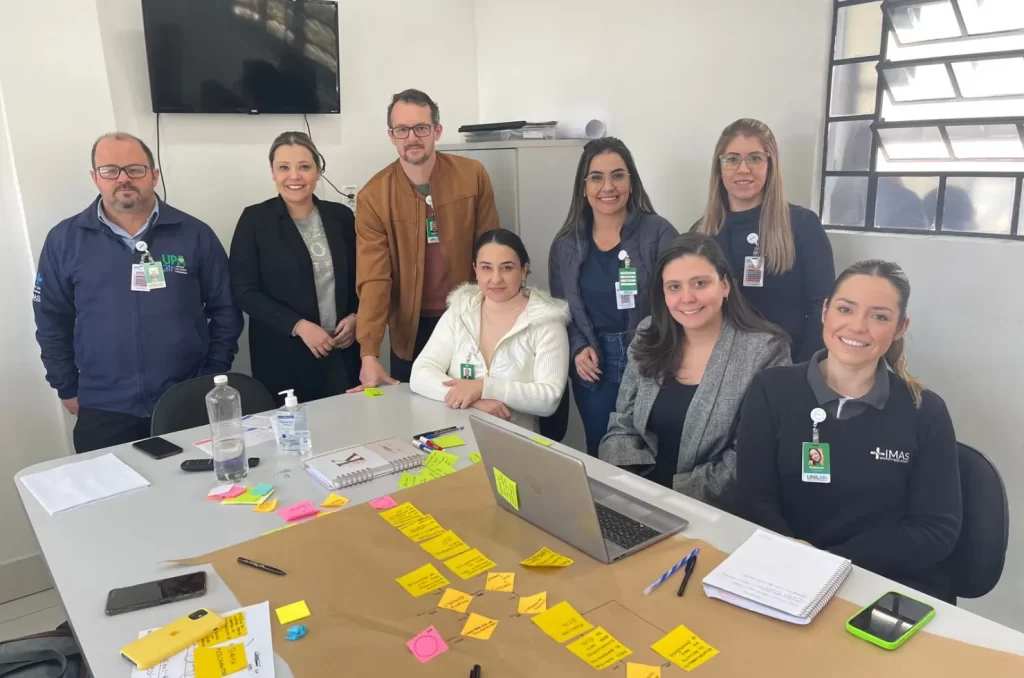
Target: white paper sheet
x,y
258,421
253,436
82,482
259,649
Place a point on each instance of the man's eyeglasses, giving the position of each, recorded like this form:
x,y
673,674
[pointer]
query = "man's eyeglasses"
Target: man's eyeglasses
x,y
733,160
618,177
402,132
114,171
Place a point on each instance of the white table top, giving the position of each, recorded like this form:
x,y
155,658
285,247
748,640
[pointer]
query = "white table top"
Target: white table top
x,y
125,540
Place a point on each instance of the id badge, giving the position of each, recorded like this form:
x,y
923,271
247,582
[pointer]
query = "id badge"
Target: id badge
x,y
467,371
816,463
139,283
432,236
753,271
154,272
627,280
624,300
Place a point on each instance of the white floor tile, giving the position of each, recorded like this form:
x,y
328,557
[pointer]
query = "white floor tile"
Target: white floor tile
x,y
29,604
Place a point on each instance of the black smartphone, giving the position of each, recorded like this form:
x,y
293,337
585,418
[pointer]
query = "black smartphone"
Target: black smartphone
x,y
158,448
153,593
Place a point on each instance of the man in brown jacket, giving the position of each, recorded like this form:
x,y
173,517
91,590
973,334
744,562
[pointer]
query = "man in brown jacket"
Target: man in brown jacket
x,y
416,223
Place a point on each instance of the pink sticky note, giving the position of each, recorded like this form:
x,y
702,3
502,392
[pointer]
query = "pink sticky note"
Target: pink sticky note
x,y
235,491
226,492
303,509
381,503
427,645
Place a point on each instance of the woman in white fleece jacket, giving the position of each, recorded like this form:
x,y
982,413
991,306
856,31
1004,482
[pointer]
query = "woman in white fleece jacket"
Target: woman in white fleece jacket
x,y
500,347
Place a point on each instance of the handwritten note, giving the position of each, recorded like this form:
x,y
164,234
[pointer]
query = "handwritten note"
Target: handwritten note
x,y
437,457
479,627
334,501
507,488
214,662
642,671
470,564
534,604
450,440
303,509
562,622
422,528
683,648
401,514
373,393
407,480
262,489
456,601
436,471
234,627
384,503
599,649
547,558
500,581
427,645
422,581
266,506
293,612
446,546
475,457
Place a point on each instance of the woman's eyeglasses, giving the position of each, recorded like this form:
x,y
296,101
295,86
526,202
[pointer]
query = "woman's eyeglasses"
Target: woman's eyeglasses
x,y
618,178
733,160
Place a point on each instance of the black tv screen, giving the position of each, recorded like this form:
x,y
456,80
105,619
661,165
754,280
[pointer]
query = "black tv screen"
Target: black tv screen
x,y
242,56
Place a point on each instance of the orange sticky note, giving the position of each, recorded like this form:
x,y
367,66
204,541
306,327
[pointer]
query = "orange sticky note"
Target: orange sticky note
x,y
500,581
479,627
266,507
534,604
334,501
456,601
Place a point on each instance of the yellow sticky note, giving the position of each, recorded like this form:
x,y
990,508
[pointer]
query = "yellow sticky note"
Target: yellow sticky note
x,y
547,558
422,528
545,443
500,581
507,488
401,514
683,648
214,662
562,622
266,507
448,545
334,501
373,392
470,564
246,497
599,649
475,457
479,627
234,627
437,457
451,440
534,604
422,581
457,601
293,612
278,529
642,671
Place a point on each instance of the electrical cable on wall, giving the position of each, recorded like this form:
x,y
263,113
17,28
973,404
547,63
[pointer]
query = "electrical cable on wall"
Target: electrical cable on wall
x,y
158,163
323,173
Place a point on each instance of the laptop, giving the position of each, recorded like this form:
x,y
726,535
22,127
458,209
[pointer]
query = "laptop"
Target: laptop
x,y
556,495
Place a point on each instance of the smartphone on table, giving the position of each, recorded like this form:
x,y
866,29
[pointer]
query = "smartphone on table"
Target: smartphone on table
x,y
158,448
150,650
891,620
153,593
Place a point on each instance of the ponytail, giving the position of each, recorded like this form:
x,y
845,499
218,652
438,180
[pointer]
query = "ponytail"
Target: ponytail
x,y
897,360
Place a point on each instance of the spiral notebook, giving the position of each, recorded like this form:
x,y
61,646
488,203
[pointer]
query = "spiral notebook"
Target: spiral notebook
x,y
362,463
778,577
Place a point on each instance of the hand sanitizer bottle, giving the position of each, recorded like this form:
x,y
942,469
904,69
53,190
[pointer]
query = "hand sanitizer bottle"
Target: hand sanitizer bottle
x,y
293,426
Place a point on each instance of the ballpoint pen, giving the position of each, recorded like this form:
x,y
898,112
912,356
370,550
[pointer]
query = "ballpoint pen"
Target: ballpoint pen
x,y
475,673
686,576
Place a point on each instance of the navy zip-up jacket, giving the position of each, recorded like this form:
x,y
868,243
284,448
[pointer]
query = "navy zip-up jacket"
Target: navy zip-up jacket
x,y
119,350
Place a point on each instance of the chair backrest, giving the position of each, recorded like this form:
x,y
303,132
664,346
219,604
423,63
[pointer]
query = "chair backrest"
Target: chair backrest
x,y
184,405
977,559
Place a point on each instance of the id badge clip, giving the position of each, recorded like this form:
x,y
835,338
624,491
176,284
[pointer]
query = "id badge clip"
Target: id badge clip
x,y
433,237
815,457
753,266
148,274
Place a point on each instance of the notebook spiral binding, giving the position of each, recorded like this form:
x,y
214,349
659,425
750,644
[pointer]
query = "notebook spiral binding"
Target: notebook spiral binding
x,y
825,594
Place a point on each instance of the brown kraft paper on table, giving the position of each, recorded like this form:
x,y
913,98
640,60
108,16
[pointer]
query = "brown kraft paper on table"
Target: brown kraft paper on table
x,y
344,566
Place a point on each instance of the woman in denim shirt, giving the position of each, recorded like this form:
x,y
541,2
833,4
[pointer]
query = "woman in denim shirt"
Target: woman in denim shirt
x,y
600,263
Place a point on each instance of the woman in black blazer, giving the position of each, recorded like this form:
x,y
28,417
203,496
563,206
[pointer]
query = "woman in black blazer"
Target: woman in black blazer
x,y
293,271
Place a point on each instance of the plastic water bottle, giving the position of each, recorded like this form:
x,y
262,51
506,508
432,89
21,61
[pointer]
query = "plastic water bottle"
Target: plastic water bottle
x,y
224,405
293,426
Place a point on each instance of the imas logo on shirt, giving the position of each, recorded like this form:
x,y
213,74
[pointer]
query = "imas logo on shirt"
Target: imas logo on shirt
x,y
174,263
897,456
37,290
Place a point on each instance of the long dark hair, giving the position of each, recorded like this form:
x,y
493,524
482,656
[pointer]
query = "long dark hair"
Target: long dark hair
x,y
659,348
580,211
502,236
893,273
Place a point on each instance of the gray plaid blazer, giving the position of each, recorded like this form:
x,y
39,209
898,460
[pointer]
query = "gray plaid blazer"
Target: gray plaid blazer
x,y
707,459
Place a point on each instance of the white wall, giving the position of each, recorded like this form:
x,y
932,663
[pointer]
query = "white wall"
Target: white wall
x,y
667,76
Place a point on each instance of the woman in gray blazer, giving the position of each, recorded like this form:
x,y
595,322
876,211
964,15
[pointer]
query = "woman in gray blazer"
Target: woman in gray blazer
x,y
688,370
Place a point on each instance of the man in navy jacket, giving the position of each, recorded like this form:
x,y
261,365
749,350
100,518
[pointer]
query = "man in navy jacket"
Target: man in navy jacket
x,y
114,332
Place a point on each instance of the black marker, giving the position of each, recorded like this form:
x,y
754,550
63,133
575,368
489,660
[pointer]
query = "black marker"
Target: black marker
x,y
475,673
261,566
686,576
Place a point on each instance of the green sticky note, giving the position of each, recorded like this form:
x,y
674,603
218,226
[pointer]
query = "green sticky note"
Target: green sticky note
x,y
452,440
545,443
507,488
410,480
373,392
437,471
438,458
474,457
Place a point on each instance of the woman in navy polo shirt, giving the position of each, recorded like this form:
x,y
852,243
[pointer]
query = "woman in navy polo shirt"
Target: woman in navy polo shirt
x,y
885,489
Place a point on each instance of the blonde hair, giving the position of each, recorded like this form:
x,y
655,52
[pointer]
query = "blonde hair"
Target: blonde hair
x,y
776,232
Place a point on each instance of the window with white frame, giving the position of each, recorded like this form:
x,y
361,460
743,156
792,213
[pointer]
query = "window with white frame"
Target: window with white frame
x,y
924,124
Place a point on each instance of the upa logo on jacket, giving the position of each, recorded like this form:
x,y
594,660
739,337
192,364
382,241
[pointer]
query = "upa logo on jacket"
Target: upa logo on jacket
x,y
898,456
174,263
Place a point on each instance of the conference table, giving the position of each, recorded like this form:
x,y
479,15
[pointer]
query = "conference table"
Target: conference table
x,y
128,539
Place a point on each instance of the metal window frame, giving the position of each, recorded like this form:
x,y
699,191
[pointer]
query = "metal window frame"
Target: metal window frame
x,y
964,36
943,125
948,62
873,174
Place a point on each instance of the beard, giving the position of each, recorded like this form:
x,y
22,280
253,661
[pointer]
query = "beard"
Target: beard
x,y
128,203
419,161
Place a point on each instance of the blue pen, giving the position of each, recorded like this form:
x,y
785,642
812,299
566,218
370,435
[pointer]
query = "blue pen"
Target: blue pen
x,y
445,432
422,447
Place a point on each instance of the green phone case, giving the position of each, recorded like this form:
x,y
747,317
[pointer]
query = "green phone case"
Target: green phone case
x,y
902,639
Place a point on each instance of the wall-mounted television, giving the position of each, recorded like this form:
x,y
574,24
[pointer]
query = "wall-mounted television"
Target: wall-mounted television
x,y
242,56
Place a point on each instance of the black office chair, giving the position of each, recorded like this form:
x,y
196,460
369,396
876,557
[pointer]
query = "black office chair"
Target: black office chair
x,y
184,405
977,559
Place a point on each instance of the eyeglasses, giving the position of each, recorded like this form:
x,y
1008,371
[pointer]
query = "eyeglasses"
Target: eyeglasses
x,y
114,171
402,132
618,177
733,160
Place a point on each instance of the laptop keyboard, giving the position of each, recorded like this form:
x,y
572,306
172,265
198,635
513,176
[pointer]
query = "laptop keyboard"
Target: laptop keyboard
x,y
622,530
